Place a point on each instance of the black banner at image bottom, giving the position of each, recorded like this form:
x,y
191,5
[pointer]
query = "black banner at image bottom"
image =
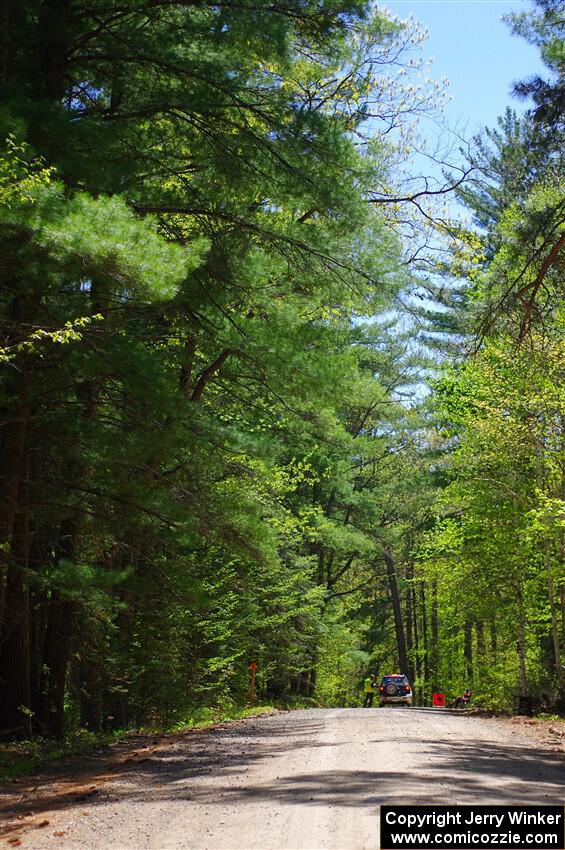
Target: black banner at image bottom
x,y
478,827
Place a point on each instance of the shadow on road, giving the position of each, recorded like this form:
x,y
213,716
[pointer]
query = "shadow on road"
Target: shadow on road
x,y
171,770
466,769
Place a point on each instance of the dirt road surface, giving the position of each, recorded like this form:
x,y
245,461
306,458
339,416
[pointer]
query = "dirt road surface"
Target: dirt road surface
x,y
303,780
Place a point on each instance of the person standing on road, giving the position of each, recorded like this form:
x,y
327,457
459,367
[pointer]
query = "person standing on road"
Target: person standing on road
x,y
370,685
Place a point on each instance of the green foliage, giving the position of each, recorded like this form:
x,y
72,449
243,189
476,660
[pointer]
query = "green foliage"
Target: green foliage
x,y
342,664
21,177
193,406
507,407
544,27
491,563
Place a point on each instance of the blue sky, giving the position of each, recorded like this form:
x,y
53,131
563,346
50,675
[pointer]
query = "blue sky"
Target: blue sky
x,y
474,49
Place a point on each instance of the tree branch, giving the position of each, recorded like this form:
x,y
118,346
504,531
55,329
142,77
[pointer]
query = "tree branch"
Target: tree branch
x,y
534,287
210,370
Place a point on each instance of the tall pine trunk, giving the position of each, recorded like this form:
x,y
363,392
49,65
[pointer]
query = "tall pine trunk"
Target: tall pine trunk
x,y
523,682
12,473
409,628
397,611
559,669
61,620
434,650
425,650
15,696
468,649
51,711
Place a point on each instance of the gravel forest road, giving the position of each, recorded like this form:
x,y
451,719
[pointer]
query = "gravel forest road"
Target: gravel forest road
x,y
303,780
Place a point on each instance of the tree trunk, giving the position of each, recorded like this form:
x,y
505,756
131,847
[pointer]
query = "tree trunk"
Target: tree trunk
x,y
521,645
481,644
417,657
53,48
554,626
434,652
39,609
395,599
91,677
14,432
12,456
493,638
60,629
409,626
468,649
312,679
426,661
562,596
4,38
15,697
57,650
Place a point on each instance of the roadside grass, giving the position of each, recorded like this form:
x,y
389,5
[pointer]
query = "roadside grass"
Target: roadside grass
x,y
205,717
21,758
555,718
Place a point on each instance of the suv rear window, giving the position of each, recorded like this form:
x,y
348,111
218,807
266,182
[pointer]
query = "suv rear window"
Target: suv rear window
x,y
396,680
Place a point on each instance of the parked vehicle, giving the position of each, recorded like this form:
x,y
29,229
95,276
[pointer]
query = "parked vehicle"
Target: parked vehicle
x,y
395,689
